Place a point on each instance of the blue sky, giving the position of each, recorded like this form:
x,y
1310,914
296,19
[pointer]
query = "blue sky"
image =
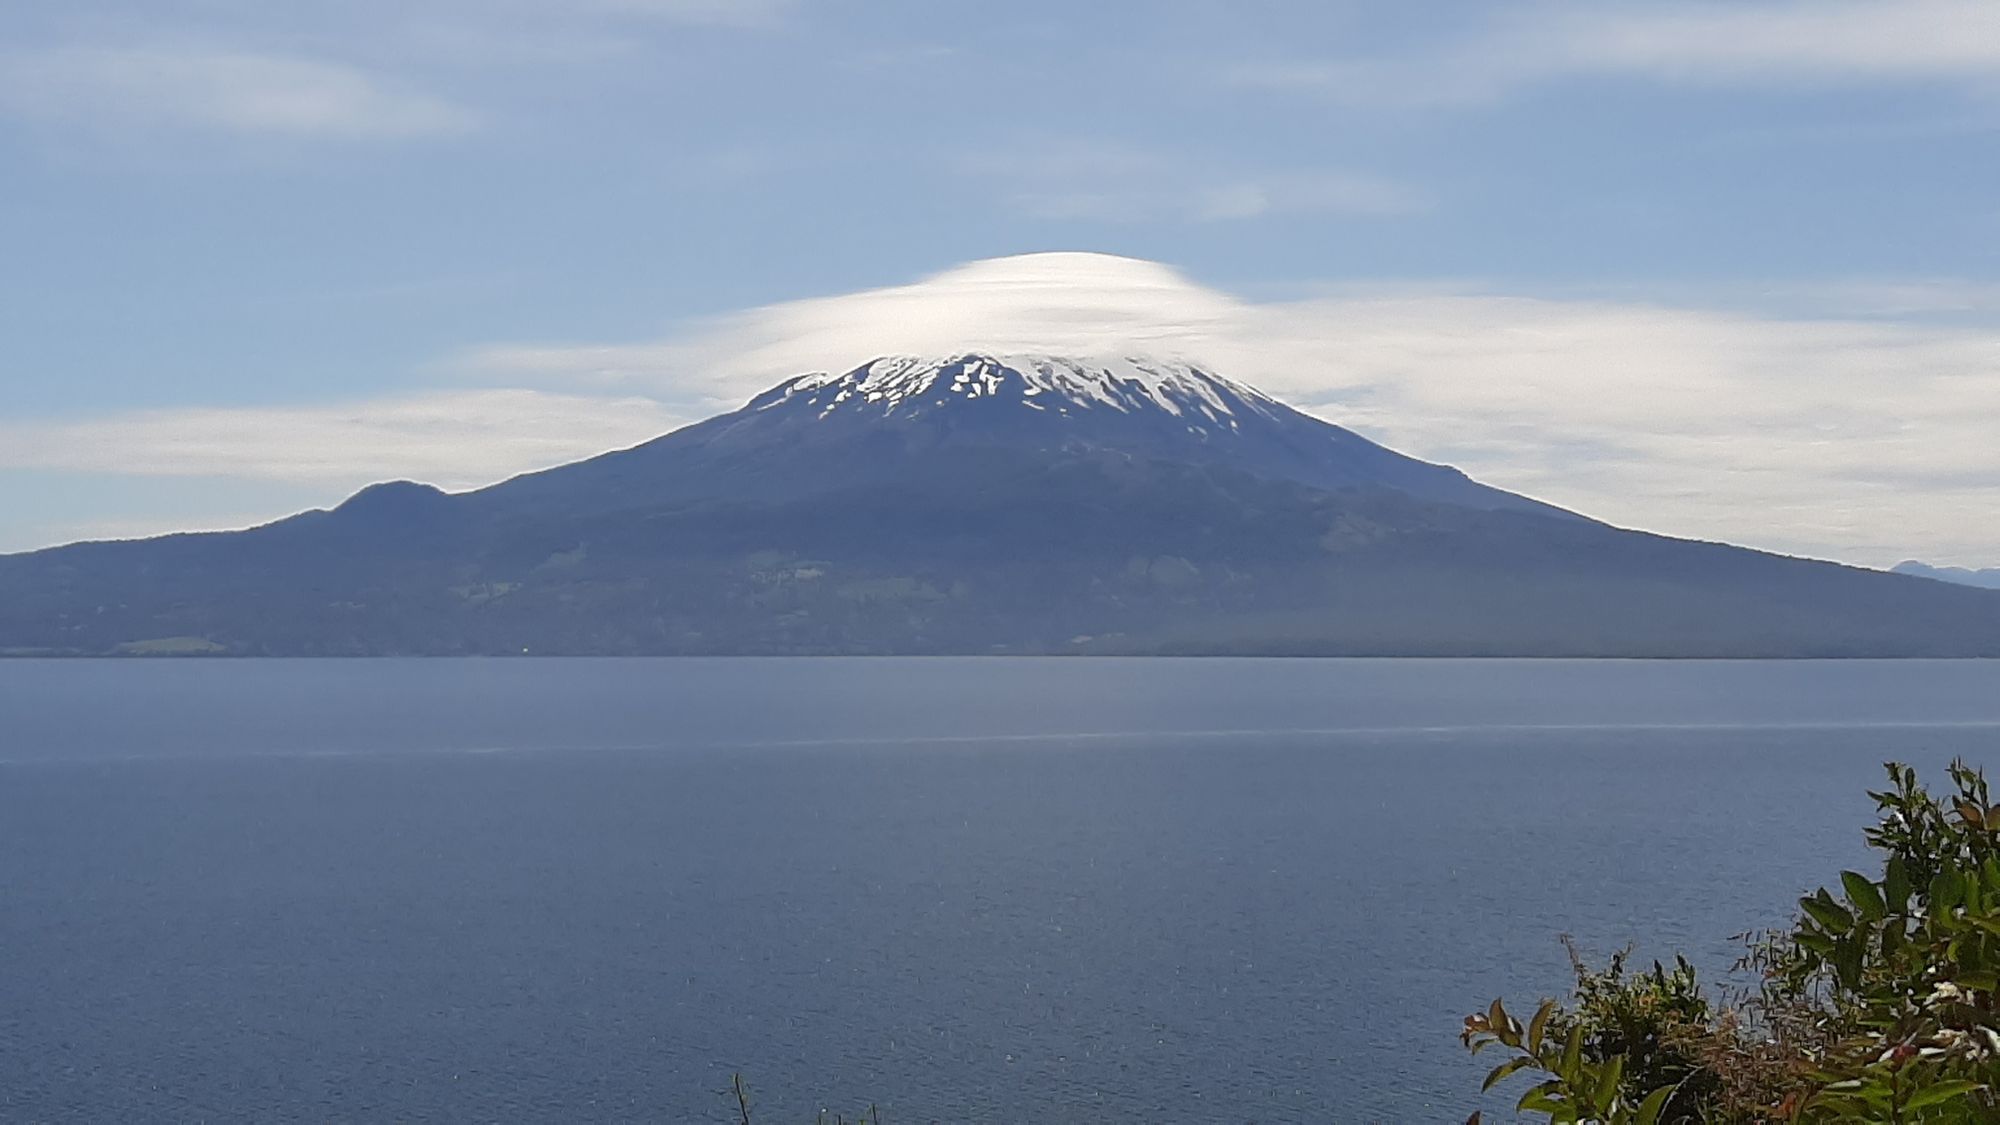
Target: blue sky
x,y
1722,270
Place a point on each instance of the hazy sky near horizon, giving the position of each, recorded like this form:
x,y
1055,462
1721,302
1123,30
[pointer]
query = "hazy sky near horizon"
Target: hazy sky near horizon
x,y
1722,270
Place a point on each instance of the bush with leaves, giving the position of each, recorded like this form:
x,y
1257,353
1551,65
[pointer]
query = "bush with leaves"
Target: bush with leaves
x,y
1881,1002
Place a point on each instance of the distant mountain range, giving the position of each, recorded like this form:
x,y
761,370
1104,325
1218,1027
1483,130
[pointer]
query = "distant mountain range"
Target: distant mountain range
x,y
1989,578
974,504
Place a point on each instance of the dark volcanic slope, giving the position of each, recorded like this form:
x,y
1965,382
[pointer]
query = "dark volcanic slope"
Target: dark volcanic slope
x,y
921,526
818,431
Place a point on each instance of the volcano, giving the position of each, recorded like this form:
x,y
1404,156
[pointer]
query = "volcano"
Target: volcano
x,y
975,504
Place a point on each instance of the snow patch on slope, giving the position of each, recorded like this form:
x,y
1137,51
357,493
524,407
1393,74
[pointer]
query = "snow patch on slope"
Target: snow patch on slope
x,y
913,384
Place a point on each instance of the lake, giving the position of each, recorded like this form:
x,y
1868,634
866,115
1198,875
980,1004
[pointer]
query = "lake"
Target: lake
x,y
967,889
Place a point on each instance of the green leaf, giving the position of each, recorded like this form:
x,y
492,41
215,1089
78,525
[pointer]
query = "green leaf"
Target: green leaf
x,y
1847,961
1545,1098
1947,891
1504,1027
1572,1052
1538,1025
1822,909
1499,1073
1896,885
1939,1093
1987,981
1862,893
1649,1110
1606,1092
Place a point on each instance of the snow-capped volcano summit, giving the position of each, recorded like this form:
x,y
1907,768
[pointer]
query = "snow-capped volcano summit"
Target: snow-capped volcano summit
x,y
912,385
900,418
872,420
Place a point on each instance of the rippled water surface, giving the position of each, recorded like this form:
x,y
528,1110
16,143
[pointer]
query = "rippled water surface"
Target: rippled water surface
x,y
970,890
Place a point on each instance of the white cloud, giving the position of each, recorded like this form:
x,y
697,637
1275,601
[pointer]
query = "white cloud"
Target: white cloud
x,y
1802,38
455,439
1862,438
141,528
1912,296
1713,42
1060,302
218,89
1868,439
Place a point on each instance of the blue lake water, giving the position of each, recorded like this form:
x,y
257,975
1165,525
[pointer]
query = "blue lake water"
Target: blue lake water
x,y
969,890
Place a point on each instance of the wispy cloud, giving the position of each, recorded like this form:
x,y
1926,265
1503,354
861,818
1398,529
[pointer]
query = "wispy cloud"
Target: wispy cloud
x,y
1867,439
331,69
219,89
1333,193
1714,43
1911,296
454,439
141,528
1344,193
1107,181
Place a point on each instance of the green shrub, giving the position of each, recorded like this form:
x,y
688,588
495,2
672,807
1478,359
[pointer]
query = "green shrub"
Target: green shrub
x,y
1878,1004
